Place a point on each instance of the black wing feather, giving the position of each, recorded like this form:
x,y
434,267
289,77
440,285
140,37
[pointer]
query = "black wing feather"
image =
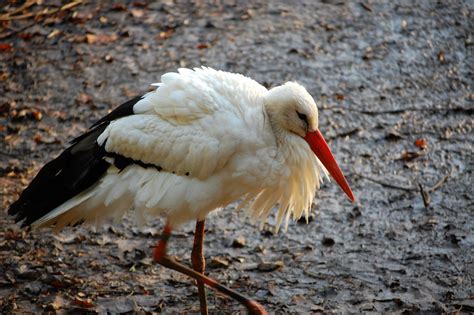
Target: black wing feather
x,y
74,170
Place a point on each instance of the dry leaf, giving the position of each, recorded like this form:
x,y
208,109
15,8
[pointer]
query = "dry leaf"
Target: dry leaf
x,y
202,46
81,17
101,38
421,143
36,114
4,75
37,137
119,7
441,56
25,36
166,34
86,303
5,47
53,34
410,155
137,13
83,98
339,97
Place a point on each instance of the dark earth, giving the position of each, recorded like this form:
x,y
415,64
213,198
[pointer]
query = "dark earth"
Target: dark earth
x,y
393,81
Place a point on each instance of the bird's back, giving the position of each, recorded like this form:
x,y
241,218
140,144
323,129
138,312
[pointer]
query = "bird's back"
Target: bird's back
x,y
152,153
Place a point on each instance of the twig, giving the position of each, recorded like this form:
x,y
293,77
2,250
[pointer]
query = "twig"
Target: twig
x,y
18,17
426,197
387,184
453,263
71,5
424,192
366,6
127,292
39,13
25,6
14,32
440,182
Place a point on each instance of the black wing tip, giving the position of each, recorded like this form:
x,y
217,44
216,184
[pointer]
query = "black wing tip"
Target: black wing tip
x,y
75,169
126,109
18,215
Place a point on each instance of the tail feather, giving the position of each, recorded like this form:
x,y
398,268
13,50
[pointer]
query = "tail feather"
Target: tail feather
x,y
75,170
58,186
63,209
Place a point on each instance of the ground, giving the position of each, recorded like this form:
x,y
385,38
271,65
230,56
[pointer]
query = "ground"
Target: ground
x,y
393,81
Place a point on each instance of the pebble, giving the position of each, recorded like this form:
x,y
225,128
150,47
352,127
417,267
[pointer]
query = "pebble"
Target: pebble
x,y
33,288
328,241
239,242
270,266
218,262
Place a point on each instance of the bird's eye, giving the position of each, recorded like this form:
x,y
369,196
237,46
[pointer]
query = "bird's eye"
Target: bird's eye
x,y
303,117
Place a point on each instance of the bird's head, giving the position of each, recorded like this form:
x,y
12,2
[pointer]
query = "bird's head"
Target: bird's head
x,y
291,109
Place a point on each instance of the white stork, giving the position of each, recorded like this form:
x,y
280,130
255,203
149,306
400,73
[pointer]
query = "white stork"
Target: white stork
x,y
201,140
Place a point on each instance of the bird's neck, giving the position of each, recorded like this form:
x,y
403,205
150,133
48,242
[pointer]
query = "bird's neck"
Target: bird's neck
x,y
275,117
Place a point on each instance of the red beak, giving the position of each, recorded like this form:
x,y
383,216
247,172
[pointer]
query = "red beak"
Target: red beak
x,y
321,149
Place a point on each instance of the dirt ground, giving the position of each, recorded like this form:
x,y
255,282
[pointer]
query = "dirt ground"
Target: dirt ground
x,y
393,80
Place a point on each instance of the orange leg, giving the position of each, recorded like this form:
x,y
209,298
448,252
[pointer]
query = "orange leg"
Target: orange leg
x,y
160,256
199,263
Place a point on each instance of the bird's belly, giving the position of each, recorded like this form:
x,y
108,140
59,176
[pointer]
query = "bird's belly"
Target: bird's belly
x,y
179,198
153,192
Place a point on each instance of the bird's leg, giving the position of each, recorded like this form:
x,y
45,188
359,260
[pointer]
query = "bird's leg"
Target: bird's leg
x,y
160,256
199,263
160,249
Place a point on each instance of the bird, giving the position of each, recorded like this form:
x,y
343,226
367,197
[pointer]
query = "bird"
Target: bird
x,y
202,139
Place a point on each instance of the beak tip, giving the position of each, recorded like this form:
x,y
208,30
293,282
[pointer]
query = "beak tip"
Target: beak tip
x,y
325,156
350,194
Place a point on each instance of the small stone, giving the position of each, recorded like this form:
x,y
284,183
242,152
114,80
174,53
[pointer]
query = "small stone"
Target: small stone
x,y
270,266
51,307
57,281
33,288
25,273
218,262
248,266
239,242
108,58
328,241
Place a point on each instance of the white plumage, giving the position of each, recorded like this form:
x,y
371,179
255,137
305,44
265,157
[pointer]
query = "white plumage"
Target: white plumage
x,y
212,126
